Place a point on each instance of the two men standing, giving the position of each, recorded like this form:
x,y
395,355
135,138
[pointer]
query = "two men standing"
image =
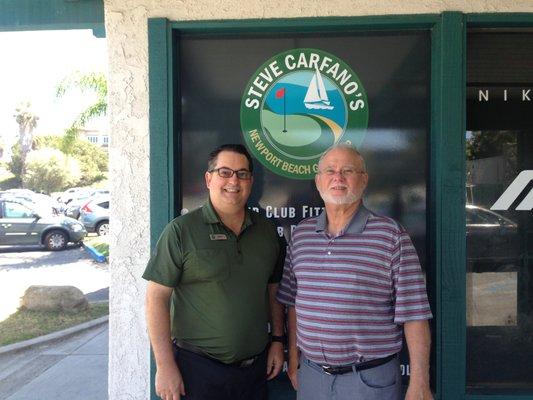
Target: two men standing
x,y
351,281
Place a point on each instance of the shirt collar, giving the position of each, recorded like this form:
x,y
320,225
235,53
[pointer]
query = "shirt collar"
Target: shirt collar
x,y
356,225
211,217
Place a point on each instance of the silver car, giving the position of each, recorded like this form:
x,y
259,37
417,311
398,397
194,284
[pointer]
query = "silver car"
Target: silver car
x,y
95,215
21,224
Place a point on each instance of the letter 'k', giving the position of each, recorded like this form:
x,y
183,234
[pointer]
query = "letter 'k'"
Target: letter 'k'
x,y
513,191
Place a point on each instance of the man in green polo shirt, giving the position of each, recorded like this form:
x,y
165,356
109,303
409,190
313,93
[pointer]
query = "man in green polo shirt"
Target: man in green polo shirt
x,y
211,292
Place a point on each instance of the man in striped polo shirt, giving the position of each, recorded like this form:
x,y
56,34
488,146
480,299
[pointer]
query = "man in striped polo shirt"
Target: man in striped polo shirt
x,y
352,281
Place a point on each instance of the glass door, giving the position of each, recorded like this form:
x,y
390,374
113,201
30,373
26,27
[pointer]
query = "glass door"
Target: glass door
x,y
499,221
253,89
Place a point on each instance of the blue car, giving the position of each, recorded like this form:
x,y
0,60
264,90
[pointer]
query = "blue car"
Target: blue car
x,y
95,215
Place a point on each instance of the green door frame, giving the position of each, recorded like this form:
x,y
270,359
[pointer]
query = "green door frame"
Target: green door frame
x,y
446,231
447,131
458,327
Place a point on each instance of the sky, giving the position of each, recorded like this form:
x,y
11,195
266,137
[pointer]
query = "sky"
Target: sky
x,y
33,64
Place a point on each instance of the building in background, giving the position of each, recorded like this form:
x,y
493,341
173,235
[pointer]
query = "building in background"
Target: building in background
x,y
96,137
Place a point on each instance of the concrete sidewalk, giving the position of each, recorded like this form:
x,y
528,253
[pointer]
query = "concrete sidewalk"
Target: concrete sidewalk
x,y
71,369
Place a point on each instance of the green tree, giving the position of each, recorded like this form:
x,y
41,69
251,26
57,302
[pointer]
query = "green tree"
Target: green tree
x,y
15,164
93,161
27,121
49,170
91,82
483,144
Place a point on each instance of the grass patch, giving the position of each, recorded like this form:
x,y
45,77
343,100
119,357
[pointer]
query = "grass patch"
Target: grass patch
x,y
100,243
26,324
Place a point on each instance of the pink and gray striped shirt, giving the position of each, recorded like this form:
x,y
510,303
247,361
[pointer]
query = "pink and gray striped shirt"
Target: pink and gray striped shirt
x,y
352,292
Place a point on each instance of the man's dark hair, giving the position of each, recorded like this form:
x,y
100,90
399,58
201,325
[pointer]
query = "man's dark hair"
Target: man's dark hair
x,y
235,148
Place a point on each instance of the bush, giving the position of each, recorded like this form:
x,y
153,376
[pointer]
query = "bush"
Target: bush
x,y
49,170
15,165
92,159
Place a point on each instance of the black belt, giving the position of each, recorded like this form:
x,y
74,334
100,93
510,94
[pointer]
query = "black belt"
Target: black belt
x,y
344,369
247,362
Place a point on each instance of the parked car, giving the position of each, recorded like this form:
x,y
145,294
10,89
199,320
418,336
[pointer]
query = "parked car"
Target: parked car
x,y
40,201
73,208
491,237
95,215
80,194
42,206
69,194
21,224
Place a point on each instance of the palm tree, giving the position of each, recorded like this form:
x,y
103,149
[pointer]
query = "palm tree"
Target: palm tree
x,y
92,82
27,121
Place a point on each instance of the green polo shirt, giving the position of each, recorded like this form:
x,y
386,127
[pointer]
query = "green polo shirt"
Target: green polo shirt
x,y
220,298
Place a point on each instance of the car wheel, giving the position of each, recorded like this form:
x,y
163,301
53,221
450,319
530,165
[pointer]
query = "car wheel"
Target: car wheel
x,y
102,228
56,240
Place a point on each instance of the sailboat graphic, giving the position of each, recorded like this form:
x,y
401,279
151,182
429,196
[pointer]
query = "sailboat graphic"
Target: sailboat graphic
x,y
316,96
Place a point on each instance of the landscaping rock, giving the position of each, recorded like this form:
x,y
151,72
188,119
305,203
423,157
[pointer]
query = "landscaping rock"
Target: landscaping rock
x,y
54,298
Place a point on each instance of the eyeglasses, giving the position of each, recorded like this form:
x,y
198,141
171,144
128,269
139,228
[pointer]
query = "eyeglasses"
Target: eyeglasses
x,y
346,172
225,172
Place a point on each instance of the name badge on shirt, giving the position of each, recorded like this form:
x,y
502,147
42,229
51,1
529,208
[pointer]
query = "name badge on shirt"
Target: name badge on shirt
x,y
218,236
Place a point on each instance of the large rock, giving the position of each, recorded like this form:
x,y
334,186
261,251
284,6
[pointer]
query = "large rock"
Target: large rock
x,y
54,298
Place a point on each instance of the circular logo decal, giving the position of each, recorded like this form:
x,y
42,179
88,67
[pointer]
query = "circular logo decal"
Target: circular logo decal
x,y
297,105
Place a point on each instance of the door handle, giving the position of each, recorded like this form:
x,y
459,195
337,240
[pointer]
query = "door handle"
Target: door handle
x,y
6,225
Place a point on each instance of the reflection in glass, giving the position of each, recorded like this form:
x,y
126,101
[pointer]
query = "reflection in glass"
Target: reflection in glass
x,y
499,296
394,68
499,145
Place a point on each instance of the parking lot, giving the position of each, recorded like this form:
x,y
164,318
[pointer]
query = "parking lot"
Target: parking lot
x,y
23,266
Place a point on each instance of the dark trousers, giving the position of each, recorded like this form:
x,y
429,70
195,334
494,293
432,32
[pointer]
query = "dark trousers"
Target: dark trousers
x,y
207,379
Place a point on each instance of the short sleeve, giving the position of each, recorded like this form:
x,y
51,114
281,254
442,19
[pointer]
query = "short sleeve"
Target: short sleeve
x,y
287,288
166,264
410,297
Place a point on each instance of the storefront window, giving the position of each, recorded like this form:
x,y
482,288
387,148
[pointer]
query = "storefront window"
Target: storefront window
x,y
499,220
223,79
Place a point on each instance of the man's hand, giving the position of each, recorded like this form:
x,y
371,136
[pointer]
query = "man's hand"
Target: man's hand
x,y
292,371
274,359
418,340
169,383
418,392
294,354
168,380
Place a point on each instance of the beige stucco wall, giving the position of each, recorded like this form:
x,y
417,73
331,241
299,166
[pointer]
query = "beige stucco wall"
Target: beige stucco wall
x,y
126,26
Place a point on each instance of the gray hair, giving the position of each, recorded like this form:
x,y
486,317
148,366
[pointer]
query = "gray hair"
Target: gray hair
x,y
348,147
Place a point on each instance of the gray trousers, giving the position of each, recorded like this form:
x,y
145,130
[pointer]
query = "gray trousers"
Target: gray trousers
x,y
379,383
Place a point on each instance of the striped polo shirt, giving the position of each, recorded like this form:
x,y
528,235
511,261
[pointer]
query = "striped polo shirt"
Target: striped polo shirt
x,y
352,292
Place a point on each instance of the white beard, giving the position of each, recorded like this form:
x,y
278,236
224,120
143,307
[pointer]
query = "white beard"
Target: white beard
x,y
348,198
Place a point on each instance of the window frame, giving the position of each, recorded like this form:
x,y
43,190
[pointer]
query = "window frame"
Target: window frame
x,y
446,170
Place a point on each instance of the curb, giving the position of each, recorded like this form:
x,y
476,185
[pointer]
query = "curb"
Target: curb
x,y
53,337
95,254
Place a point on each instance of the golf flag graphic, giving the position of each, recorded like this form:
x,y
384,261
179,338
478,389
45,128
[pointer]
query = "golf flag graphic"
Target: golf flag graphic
x,y
279,94
298,104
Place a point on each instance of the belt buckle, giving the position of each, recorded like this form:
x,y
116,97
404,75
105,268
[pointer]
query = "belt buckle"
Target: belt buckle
x,y
327,369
